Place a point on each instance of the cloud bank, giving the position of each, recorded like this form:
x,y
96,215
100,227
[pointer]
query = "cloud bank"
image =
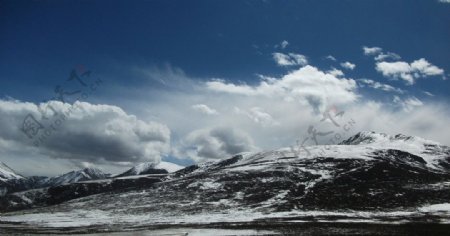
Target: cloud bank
x,y
305,85
216,143
82,132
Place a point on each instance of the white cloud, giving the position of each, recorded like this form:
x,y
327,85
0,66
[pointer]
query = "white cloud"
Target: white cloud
x,y
290,59
444,1
258,115
204,109
428,93
427,120
408,104
372,50
307,85
348,65
330,57
82,132
216,143
377,85
388,55
425,68
408,71
336,72
282,45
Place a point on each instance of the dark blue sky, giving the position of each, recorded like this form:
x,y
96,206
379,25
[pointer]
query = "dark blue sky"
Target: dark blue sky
x,y
42,40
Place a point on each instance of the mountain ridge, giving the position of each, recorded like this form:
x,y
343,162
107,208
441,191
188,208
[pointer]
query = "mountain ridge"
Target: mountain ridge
x,y
271,185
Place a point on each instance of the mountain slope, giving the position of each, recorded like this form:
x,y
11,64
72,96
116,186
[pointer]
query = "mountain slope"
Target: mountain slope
x,y
395,178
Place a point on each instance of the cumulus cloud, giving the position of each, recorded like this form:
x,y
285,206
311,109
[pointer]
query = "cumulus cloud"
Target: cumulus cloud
x,y
348,65
377,85
336,72
444,1
204,109
307,84
81,132
372,50
290,59
408,71
216,143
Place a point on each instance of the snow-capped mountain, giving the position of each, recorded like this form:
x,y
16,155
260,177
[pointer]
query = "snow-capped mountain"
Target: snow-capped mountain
x,y
17,183
152,168
436,155
367,175
76,176
7,173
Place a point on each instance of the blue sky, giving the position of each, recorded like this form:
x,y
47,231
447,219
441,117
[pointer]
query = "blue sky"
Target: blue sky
x,y
159,57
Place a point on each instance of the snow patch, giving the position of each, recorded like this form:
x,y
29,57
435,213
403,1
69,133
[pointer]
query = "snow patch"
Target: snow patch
x,y
443,207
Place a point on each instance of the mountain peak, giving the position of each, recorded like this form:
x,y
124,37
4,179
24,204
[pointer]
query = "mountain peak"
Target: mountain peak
x,y
78,175
6,173
92,172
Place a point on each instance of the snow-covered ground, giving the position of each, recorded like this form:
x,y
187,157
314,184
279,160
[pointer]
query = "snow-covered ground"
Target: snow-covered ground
x,y
83,218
